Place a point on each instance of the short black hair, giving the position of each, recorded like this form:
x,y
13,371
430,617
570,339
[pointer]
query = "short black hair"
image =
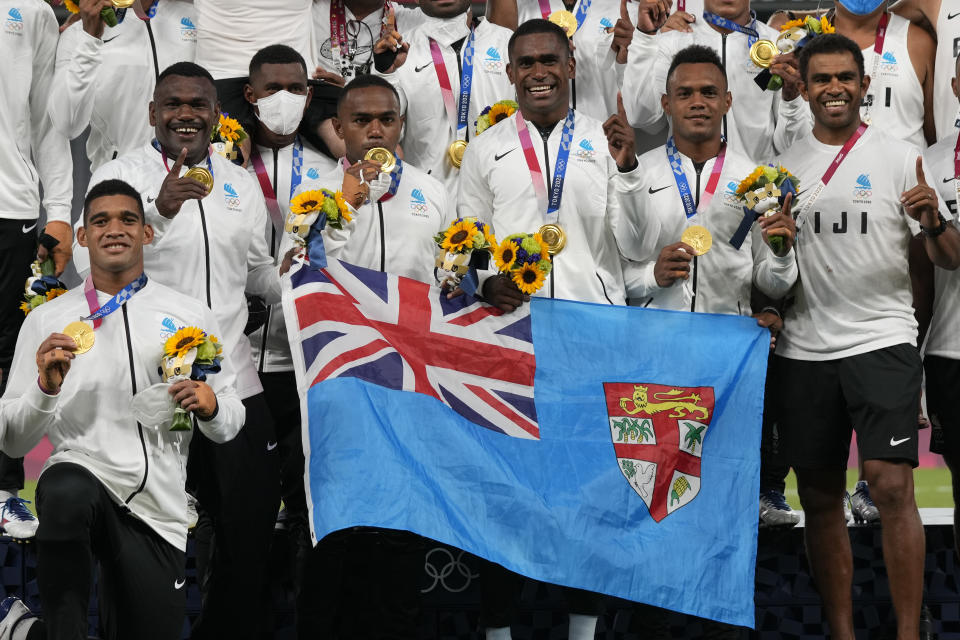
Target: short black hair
x,y
184,70
276,54
112,187
829,43
364,82
539,25
696,54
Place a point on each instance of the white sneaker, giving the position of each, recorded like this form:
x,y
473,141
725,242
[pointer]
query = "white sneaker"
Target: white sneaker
x,y
847,510
775,512
192,515
12,613
16,520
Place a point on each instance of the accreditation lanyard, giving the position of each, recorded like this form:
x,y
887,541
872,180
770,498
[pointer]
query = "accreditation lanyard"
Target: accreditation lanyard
x,y
551,207
456,112
877,55
730,25
681,5
686,195
832,169
581,14
339,42
956,167
394,178
269,194
98,312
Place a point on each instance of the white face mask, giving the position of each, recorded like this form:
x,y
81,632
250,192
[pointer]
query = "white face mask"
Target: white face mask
x,y
281,112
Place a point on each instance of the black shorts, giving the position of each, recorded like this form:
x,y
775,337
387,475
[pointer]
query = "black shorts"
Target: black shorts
x,y
820,403
943,390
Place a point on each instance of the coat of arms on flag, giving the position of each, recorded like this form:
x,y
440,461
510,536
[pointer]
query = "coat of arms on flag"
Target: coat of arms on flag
x,y
658,434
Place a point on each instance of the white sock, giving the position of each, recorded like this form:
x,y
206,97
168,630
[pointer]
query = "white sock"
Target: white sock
x,y
5,495
21,629
582,627
498,633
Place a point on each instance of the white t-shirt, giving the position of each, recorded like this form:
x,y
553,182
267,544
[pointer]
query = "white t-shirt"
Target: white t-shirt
x,y
229,32
854,293
946,111
942,336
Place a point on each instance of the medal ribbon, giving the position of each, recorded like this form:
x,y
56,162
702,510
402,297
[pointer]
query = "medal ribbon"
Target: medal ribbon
x,y
730,25
552,207
97,312
956,167
877,54
339,43
837,161
440,67
681,5
466,86
545,9
686,194
269,194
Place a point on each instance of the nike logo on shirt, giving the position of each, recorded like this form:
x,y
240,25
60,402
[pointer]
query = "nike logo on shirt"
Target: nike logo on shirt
x,y
150,199
951,16
179,584
271,446
652,191
111,39
27,229
894,443
946,180
419,69
500,155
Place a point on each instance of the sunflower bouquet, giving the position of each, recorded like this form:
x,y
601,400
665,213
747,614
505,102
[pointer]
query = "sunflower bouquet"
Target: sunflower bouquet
x,y
189,354
41,287
107,13
495,113
457,244
227,137
763,191
524,258
306,208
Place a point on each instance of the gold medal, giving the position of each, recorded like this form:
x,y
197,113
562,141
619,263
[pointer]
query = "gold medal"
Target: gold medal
x,y
698,238
554,236
762,53
383,157
455,152
201,175
123,4
565,20
82,334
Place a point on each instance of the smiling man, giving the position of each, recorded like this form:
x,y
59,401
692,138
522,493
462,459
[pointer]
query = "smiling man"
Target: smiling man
x,y
111,494
210,244
847,354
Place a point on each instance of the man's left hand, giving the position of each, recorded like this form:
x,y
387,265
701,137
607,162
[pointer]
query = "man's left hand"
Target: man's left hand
x,y
63,251
921,202
770,320
622,34
780,224
620,140
786,66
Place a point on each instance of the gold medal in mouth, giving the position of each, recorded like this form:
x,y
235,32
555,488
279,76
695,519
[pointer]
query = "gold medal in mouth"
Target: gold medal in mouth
x,y
383,157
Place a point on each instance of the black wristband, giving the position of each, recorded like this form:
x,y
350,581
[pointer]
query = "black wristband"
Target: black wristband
x,y
48,242
216,410
937,230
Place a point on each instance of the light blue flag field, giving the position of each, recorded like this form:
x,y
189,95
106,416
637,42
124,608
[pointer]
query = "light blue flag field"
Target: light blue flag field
x,y
613,449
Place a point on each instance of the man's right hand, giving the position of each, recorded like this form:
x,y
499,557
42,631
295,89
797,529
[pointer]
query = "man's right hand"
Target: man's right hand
x,y
176,190
673,263
679,21
652,15
503,293
90,15
53,361
356,182
393,42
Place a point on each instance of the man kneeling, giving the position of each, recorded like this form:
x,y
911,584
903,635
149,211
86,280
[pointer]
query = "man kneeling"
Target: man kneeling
x,y
113,489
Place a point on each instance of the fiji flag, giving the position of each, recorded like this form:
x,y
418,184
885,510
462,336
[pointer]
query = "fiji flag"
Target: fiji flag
x,y
613,449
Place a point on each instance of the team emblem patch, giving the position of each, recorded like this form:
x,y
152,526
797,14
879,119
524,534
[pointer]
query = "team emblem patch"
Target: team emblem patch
x,y
658,434
14,22
188,31
231,198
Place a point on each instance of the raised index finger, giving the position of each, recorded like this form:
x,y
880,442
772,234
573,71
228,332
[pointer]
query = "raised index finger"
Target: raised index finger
x,y
175,170
623,10
620,110
921,179
391,19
